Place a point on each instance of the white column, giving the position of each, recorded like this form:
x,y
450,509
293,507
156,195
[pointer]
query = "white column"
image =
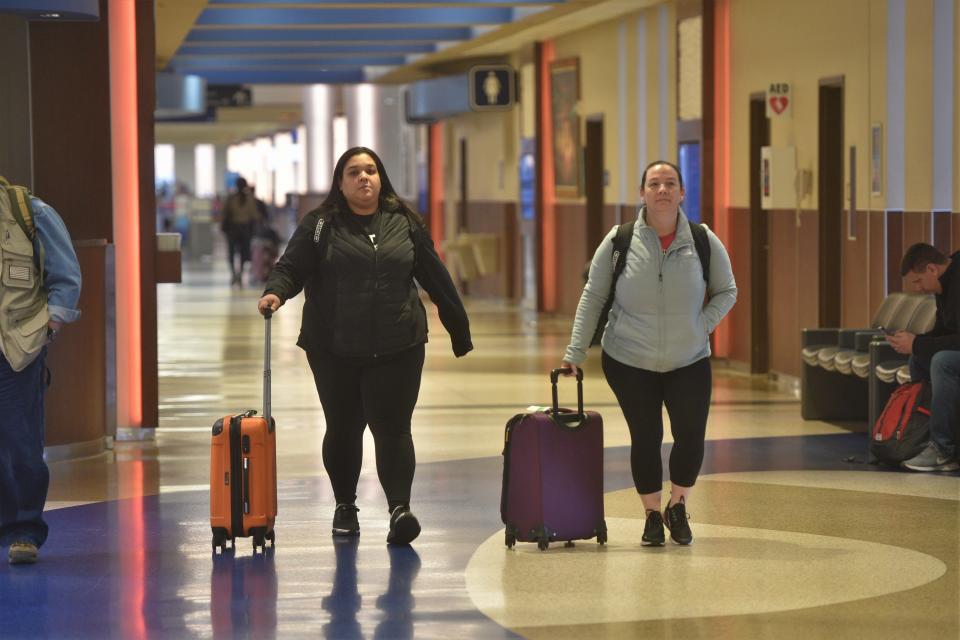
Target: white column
x,y
318,119
896,43
944,77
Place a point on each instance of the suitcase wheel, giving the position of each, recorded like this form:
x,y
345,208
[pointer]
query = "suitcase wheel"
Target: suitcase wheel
x,y
272,537
602,533
543,544
259,541
220,541
510,540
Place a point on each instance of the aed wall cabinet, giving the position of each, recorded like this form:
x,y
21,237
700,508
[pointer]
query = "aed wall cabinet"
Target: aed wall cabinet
x,y
778,175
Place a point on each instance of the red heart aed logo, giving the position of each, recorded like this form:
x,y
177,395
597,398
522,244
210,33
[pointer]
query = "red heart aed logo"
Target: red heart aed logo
x,y
779,104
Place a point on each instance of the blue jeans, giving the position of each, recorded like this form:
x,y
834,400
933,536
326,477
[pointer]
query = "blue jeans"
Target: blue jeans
x,y
24,476
944,375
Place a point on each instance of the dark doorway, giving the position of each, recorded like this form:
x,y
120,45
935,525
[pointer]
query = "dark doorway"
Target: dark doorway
x,y
759,242
462,218
593,183
830,192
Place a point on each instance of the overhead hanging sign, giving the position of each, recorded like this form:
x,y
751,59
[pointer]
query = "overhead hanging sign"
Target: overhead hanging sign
x,y
779,100
491,87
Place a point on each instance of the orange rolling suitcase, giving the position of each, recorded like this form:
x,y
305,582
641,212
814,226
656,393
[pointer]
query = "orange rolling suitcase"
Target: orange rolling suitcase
x,y
243,472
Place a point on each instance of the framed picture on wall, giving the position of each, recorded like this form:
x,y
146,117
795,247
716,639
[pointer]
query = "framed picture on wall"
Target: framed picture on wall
x,y
565,94
876,159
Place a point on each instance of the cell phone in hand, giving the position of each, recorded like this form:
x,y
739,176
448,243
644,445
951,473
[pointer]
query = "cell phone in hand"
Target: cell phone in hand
x,y
887,330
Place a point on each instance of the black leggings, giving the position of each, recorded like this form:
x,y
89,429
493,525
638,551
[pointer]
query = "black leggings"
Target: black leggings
x,y
642,394
381,392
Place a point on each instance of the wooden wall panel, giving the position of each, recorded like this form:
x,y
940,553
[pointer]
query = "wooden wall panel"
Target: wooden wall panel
x,y
70,95
146,100
855,300
500,219
571,255
808,262
783,293
941,231
916,228
793,295
894,249
955,232
740,317
77,400
877,272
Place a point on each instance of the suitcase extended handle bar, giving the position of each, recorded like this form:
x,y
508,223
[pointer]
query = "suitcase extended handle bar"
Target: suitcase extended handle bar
x,y
572,420
266,370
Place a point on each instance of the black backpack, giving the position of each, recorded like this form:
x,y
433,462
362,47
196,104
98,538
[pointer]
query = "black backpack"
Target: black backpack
x,y
621,243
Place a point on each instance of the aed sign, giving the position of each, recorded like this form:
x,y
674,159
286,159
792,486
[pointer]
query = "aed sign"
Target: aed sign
x,y
779,100
492,87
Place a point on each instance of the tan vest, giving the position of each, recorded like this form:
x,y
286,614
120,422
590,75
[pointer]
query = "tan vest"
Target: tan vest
x,y
23,300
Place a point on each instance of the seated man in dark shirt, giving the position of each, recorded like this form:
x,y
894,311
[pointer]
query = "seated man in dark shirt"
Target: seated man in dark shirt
x,y
935,355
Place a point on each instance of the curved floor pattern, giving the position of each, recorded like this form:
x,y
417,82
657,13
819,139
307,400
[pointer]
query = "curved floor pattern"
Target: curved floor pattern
x,y
793,541
142,567
772,571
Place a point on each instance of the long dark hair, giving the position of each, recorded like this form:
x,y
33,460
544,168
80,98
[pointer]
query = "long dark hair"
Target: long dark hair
x,y
335,203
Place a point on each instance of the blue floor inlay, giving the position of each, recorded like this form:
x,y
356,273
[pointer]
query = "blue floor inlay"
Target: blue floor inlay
x,y
143,567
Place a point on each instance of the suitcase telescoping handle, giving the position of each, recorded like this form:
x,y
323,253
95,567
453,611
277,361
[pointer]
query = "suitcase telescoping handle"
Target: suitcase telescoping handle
x,y
266,369
572,419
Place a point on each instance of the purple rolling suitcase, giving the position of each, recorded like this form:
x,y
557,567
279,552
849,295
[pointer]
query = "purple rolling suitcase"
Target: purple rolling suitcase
x,y
553,474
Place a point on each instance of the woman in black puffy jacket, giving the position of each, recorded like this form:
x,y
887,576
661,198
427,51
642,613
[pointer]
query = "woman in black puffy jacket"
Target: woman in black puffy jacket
x,y
364,328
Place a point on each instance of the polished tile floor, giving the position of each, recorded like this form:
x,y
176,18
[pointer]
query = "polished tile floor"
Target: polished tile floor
x,y
793,540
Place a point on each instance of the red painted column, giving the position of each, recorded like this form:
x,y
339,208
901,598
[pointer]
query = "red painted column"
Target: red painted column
x,y
546,190
126,210
436,185
721,150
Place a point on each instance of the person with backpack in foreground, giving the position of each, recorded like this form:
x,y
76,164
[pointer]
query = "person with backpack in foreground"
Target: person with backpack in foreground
x,y
39,294
364,328
656,348
935,355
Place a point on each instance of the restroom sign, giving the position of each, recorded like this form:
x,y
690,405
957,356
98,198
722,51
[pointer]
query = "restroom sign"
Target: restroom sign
x,y
492,87
779,100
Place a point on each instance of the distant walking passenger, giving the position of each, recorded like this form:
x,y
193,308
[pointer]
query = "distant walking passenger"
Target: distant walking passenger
x,y
364,328
656,348
935,355
39,294
240,214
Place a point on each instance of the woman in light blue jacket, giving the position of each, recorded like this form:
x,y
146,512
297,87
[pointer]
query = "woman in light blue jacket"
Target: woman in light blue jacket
x,y
656,347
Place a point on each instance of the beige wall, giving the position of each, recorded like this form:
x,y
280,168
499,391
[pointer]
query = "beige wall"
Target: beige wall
x,y
492,155
789,41
494,138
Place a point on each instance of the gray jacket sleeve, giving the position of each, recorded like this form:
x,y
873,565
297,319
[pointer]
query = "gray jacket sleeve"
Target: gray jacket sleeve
x,y
722,288
591,301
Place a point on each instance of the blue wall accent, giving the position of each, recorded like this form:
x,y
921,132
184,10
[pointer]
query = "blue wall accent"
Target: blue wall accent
x,y
68,9
690,168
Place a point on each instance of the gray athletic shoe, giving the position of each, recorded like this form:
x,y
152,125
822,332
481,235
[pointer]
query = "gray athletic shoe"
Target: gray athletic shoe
x,y
931,459
22,552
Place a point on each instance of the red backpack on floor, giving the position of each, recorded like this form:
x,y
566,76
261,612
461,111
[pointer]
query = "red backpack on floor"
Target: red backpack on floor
x,y
903,429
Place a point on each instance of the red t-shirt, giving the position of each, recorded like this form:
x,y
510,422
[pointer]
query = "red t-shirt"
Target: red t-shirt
x,y
666,240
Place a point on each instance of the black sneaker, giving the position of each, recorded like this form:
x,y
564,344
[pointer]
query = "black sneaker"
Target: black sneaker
x,y
653,531
675,518
345,521
404,526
